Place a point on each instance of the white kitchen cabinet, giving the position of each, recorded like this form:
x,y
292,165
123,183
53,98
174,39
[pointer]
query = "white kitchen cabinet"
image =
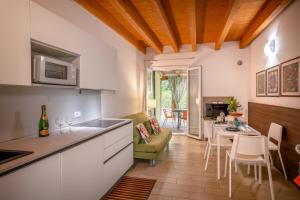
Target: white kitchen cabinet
x,y
82,171
115,167
15,42
40,180
98,64
118,154
47,27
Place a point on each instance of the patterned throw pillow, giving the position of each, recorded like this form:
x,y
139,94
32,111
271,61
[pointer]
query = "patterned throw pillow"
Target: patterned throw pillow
x,y
148,126
155,125
144,133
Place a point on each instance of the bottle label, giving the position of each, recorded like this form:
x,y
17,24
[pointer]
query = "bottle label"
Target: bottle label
x,y
44,132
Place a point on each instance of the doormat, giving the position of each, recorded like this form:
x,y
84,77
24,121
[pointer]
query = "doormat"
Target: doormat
x,y
131,188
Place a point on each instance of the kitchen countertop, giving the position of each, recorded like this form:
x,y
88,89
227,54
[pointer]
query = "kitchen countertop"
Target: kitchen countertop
x,y
45,146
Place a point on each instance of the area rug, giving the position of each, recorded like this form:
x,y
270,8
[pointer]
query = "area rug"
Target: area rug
x,y
131,188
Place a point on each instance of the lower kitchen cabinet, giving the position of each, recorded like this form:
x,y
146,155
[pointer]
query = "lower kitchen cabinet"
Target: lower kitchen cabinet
x,y
77,173
82,171
116,166
40,180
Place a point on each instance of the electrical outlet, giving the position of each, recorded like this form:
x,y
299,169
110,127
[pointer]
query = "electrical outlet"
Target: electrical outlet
x,y
77,114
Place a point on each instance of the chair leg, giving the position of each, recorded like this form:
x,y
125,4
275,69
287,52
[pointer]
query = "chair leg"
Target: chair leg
x,y
235,167
226,163
270,180
282,165
271,159
152,163
248,169
205,153
164,123
229,178
259,173
173,123
207,157
255,172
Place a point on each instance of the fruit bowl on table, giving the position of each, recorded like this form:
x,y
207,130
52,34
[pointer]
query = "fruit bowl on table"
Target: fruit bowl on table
x,y
236,114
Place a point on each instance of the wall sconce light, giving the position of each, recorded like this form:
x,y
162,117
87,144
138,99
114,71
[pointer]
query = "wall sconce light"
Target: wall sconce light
x,y
270,47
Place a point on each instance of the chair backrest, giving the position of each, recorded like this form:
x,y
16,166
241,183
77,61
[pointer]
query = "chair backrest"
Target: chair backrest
x,y
249,146
165,112
275,132
208,130
184,115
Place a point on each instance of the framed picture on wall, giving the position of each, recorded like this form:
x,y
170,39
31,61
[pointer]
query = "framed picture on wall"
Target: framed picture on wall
x,y
261,83
290,78
273,81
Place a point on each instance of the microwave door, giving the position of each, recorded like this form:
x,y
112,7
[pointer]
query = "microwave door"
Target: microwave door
x,y
55,72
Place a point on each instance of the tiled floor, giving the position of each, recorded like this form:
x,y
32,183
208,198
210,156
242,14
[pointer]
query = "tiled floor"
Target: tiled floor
x,y
174,127
180,175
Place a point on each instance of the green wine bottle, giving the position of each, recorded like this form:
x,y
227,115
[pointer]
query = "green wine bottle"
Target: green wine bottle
x,y
43,123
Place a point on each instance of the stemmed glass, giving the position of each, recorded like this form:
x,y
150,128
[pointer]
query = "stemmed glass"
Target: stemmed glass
x,y
59,122
68,120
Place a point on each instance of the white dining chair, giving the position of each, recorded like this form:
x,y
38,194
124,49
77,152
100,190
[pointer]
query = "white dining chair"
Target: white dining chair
x,y
251,150
212,143
275,132
208,128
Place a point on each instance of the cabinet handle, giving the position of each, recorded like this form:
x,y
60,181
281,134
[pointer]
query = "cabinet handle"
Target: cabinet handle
x,y
117,153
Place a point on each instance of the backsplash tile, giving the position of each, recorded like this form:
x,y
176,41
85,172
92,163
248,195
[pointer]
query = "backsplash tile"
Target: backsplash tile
x,y
20,108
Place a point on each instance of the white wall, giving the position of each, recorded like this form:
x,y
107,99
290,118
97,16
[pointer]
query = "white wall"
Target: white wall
x,y
128,98
286,29
221,76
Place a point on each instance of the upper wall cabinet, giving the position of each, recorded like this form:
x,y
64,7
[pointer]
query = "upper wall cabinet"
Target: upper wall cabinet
x,y
15,42
49,28
98,64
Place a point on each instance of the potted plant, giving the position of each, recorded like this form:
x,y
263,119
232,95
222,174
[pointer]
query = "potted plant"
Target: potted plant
x,y
233,105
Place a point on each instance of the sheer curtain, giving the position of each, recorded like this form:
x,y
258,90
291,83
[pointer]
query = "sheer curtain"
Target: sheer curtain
x,y
178,87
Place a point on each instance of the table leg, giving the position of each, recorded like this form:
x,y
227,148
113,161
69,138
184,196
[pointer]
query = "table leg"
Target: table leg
x,y
218,156
178,117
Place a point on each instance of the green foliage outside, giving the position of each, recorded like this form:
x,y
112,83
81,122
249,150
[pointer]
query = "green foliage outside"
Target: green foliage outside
x,y
166,96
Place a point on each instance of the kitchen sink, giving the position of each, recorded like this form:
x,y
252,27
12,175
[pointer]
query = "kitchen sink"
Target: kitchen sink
x,y
99,123
9,155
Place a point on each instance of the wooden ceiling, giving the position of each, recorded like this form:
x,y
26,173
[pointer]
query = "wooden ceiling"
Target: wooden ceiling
x,y
158,23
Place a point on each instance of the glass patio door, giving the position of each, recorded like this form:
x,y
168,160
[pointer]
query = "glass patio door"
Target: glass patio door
x,y
194,103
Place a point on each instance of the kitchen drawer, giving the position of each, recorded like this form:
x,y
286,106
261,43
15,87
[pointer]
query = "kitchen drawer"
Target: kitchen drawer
x,y
115,148
117,166
116,135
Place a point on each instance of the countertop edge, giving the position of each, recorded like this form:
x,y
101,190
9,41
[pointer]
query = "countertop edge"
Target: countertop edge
x,y
71,145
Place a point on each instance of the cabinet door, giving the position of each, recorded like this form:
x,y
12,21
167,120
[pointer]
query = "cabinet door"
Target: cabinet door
x,y
98,67
51,29
115,168
15,66
40,180
82,171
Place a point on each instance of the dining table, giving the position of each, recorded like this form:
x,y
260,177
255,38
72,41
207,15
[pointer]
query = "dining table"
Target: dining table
x,y
179,114
220,130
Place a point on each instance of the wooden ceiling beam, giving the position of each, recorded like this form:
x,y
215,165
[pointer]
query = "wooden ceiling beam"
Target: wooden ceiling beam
x,y
162,14
98,11
268,13
231,11
128,10
193,25
197,22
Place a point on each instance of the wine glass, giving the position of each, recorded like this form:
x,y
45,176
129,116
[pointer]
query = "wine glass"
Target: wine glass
x,y
68,121
59,122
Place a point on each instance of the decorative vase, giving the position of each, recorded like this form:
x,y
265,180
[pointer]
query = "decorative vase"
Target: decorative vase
x,y
236,122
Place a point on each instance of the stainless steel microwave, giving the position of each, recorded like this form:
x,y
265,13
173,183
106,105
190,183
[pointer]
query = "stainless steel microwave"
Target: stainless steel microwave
x,y
53,71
